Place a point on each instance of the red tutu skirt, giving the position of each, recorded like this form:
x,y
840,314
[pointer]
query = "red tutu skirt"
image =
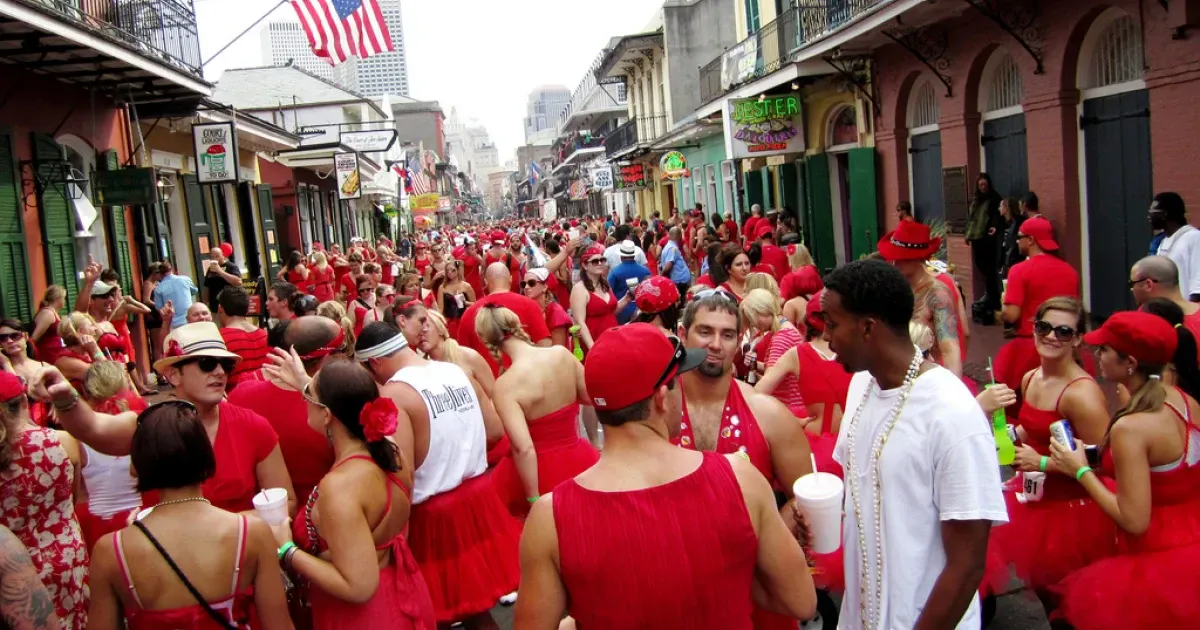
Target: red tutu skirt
x,y
401,602
498,451
1143,590
467,546
822,449
96,527
561,454
1046,540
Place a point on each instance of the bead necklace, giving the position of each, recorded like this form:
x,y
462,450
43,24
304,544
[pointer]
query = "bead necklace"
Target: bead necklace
x,y
162,503
870,613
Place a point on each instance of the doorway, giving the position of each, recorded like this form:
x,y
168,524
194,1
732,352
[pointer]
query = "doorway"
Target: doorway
x,y
926,157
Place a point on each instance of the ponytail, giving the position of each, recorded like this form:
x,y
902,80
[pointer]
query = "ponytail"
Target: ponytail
x,y
494,324
1184,363
1151,396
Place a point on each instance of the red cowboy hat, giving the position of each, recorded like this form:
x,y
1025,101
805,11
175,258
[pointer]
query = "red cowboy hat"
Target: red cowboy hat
x,y
909,241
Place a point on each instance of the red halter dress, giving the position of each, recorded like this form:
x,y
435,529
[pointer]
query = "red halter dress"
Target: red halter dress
x,y
561,454
826,383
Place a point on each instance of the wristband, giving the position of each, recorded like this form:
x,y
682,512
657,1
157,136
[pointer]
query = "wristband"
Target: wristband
x,y
288,556
1042,466
532,499
286,547
1081,472
99,356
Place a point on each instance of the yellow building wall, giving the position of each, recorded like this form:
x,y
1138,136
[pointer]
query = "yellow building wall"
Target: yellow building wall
x,y
821,101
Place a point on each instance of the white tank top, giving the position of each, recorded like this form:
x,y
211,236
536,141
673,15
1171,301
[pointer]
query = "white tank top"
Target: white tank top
x,y
457,438
111,489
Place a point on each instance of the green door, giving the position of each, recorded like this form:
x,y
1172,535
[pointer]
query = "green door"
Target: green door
x,y
820,212
58,215
864,207
15,299
118,231
266,212
789,189
202,238
754,190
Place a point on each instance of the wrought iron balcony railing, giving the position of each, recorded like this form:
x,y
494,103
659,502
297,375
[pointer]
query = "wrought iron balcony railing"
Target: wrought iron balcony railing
x,y
635,130
163,30
772,45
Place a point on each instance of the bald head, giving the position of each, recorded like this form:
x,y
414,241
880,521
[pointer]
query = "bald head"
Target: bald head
x,y
1160,269
498,278
309,333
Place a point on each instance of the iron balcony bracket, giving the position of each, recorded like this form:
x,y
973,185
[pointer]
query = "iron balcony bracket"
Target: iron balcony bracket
x,y
857,70
928,44
1018,18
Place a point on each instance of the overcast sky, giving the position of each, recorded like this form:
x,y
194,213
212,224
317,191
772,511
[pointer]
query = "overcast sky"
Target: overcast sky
x,y
482,56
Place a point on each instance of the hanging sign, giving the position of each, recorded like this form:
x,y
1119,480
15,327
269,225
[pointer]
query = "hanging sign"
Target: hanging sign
x,y
126,187
216,152
602,178
577,191
366,141
673,166
739,64
424,204
768,126
349,178
631,177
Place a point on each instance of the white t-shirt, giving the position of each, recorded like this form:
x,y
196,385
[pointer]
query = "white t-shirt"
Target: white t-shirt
x,y
612,254
939,464
1183,248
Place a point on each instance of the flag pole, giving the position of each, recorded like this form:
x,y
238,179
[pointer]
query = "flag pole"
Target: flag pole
x,y
243,33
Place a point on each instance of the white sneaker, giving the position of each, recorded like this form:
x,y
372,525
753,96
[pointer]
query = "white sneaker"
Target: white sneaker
x,y
509,600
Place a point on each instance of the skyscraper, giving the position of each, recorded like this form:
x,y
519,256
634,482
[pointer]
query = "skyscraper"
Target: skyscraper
x,y
544,110
284,41
386,73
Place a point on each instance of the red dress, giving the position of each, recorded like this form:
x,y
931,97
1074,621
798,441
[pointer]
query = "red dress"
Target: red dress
x,y
601,314
305,285
50,345
322,283
306,453
1045,540
37,500
402,599
561,454
1153,581
692,569
826,383
236,608
472,276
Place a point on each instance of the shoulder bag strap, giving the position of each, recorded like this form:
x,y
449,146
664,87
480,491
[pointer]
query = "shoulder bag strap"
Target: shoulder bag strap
x,y
216,616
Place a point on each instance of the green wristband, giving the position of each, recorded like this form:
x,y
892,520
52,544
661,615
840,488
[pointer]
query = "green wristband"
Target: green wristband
x,y
1082,471
1045,461
284,549
532,499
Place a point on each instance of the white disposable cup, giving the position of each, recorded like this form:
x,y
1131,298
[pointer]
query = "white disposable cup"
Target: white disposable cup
x,y
819,497
460,300
631,283
271,505
1033,485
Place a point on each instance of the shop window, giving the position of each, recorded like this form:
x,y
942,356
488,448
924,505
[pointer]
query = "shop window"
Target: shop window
x,y
924,109
1005,87
1117,56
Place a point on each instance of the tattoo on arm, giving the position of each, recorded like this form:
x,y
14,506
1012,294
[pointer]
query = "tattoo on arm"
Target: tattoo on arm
x,y
945,314
24,602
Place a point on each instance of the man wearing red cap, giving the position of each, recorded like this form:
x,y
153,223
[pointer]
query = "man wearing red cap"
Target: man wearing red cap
x,y
771,254
497,254
909,247
1040,277
653,535
220,273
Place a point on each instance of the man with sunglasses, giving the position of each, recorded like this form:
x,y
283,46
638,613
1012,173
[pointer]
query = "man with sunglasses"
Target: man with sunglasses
x,y
1158,277
1031,282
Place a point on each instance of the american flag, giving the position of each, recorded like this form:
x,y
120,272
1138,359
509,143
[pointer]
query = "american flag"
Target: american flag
x,y
340,29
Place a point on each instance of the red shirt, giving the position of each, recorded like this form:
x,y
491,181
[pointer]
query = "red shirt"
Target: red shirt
x,y
251,346
349,284
730,230
506,257
749,227
707,281
778,260
533,321
1192,323
321,283
1033,281
471,274
306,453
561,292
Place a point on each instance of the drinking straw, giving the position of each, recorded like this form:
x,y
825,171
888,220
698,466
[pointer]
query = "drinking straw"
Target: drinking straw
x,y
813,459
991,372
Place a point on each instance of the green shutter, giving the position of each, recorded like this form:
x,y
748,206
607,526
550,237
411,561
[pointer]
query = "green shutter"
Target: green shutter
x,y
864,209
788,188
820,206
58,215
201,229
15,299
752,17
754,189
119,232
266,212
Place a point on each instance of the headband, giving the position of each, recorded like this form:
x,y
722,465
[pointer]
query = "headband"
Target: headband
x,y
334,345
385,348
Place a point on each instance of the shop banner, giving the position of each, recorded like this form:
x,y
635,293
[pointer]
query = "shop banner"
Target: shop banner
x,y
577,191
215,149
673,166
369,141
739,63
760,127
424,204
444,204
349,178
602,178
631,177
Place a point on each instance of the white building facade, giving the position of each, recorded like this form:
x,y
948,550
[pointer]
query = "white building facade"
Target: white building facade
x,y
285,41
386,73
544,111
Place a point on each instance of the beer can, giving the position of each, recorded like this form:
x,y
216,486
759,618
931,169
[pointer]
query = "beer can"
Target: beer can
x,y
1033,485
1061,431
1012,434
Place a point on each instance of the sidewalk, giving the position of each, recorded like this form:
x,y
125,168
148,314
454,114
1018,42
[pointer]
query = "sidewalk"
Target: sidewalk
x,y
985,342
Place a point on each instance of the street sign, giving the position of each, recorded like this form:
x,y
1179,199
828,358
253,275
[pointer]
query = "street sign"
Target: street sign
x,y
368,141
126,187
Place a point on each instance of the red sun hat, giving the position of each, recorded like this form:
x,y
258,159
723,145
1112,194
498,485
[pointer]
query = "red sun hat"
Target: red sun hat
x,y
10,386
655,294
909,241
1042,233
1148,338
764,228
629,363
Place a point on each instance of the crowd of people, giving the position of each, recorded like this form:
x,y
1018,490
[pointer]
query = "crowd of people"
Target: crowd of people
x,y
605,422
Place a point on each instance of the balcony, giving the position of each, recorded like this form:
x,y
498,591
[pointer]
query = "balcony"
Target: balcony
x,y
593,103
772,46
142,50
576,146
635,133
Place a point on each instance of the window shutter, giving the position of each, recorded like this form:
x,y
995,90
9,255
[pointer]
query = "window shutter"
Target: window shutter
x,y
119,232
266,212
58,217
15,299
820,205
864,214
198,221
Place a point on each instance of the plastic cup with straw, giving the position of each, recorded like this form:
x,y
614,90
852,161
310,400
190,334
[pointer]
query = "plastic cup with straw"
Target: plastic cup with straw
x,y
1006,452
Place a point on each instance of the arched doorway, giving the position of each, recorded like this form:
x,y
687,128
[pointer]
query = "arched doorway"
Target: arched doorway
x,y
1004,144
851,185
92,239
1116,158
925,153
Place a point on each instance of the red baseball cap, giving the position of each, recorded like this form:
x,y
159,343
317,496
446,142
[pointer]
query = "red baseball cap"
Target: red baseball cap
x,y
1042,233
1145,337
764,228
226,250
812,312
11,386
629,363
655,294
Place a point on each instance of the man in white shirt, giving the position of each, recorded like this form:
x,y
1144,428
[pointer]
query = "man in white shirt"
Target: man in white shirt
x,y
1182,243
612,254
914,443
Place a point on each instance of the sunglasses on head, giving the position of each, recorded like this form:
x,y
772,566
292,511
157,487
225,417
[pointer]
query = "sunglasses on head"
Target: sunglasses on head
x,y
673,364
529,284
700,295
208,364
310,395
1062,333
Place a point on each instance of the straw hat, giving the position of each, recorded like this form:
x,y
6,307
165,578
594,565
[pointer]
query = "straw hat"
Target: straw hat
x,y
201,339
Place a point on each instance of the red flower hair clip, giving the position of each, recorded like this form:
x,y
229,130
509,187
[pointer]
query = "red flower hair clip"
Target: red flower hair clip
x,y
173,349
378,419
791,249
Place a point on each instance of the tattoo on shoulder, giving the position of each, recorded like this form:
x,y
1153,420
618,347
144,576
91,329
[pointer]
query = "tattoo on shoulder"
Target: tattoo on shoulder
x,y
24,601
940,302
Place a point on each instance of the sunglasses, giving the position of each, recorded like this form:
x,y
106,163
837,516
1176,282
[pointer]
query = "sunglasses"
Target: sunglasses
x,y
529,284
700,295
673,364
11,336
310,395
208,364
1062,333
183,405
1134,283
596,261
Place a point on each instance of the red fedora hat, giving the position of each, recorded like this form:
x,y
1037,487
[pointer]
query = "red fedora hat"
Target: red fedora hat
x,y
909,241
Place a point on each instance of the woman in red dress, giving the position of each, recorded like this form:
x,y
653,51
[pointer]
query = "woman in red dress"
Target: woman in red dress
x,y
14,357
365,308
349,536
1152,448
592,301
799,285
454,295
321,276
45,324
760,311
78,333
230,557
536,288
736,264
1065,530
296,272
537,398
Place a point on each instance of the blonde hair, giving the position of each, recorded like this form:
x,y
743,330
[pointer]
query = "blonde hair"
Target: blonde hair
x,y
53,294
494,324
335,311
761,303
921,335
765,281
104,379
319,259
800,257
70,326
449,345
